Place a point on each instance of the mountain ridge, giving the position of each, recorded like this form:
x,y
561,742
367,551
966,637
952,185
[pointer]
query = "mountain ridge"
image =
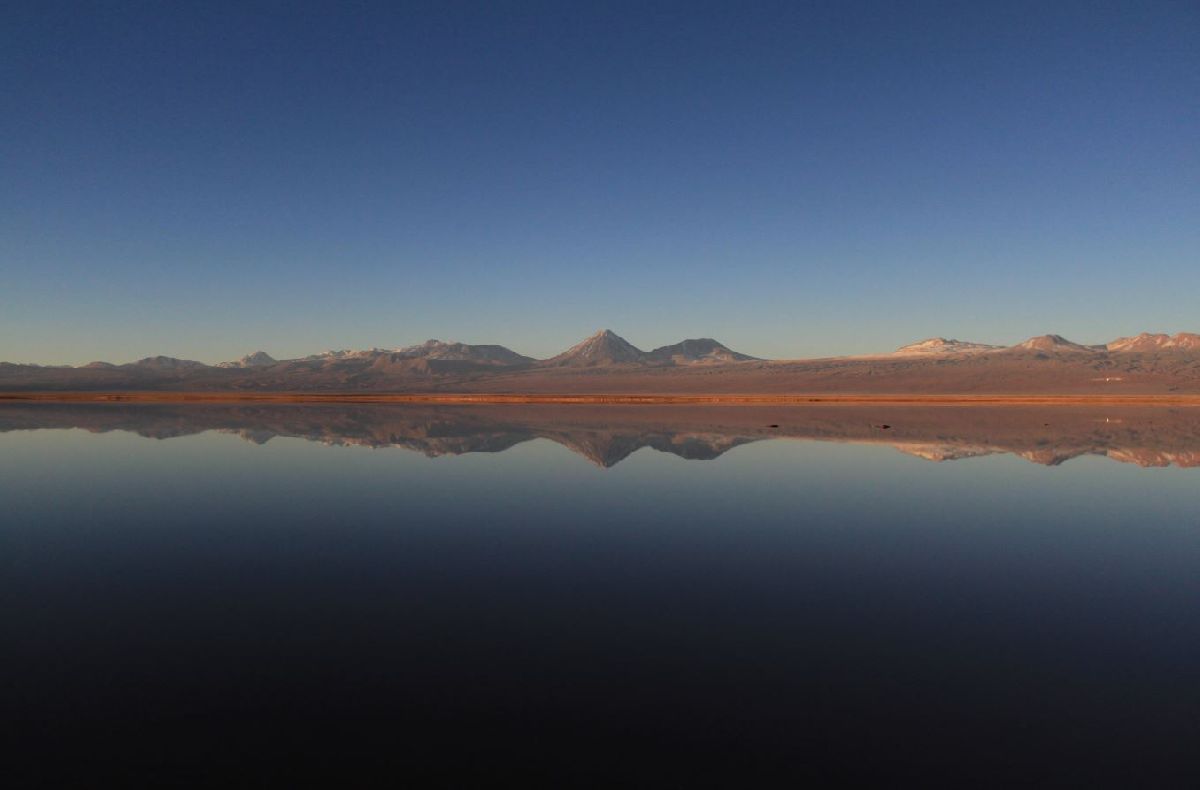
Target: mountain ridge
x,y
605,362
1156,342
607,347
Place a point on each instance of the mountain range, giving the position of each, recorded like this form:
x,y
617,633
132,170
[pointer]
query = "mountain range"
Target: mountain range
x,y
606,363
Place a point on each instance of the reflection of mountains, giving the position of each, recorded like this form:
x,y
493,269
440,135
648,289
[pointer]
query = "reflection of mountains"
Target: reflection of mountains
x,y
605,435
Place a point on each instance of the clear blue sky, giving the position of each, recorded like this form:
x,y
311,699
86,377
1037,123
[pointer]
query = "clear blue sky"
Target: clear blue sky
x,y
795,179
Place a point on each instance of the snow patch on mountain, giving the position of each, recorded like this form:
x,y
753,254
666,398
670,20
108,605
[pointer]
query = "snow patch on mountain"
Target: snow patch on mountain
x,y
1184,341
255,360
603,348
941,345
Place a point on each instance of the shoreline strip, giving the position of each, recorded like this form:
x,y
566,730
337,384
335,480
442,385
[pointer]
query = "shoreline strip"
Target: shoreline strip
x,y
593,399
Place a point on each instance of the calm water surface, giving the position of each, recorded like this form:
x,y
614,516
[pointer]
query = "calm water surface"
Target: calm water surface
x,y
647,596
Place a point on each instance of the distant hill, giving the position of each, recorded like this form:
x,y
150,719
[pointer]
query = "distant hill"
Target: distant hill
x,y
940,345
700,350
462,352
1056,343
1184,341
168,363
257,359
607,349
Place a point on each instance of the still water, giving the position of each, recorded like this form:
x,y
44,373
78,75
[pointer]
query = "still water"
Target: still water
x,y
642,595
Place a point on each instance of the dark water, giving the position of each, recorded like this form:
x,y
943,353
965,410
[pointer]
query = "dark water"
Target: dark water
x,y
607,595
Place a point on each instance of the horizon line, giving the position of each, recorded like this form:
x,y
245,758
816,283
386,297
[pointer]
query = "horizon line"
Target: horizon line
x,y
603,332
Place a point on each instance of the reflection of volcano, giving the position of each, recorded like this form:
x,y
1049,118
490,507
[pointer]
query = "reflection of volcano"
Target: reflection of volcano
x,y
604,448
608,448
607,434
432,431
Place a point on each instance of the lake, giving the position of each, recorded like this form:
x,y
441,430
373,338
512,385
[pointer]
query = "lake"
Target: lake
x,y
603,594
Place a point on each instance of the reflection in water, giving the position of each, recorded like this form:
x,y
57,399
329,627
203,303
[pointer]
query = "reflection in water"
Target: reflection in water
x,y
606,435
804,609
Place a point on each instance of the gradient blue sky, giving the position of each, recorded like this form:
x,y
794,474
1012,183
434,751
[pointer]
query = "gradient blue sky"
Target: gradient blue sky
x,y
795,179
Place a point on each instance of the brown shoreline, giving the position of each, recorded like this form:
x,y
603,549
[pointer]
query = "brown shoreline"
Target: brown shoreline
x,y
529,398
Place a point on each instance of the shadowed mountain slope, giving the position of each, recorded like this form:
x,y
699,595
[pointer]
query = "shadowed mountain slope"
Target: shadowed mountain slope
x,y
698,350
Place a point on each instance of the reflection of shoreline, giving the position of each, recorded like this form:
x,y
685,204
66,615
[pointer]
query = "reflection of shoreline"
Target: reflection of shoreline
x,y
605,435
465,398
1052,457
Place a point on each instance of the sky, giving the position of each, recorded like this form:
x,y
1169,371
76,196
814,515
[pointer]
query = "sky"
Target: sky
x,y
794,179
